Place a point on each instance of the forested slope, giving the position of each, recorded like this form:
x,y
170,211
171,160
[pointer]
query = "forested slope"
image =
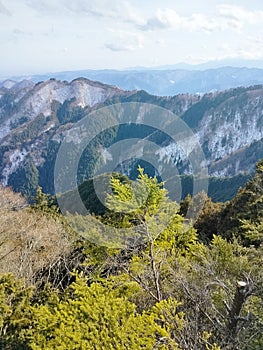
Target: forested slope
x,y
162,286
36,118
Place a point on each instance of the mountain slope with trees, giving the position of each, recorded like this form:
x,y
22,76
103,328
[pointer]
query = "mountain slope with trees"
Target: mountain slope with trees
x,y
35,120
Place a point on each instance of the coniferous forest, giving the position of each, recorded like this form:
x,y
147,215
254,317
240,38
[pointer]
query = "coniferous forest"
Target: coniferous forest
x,y
170,284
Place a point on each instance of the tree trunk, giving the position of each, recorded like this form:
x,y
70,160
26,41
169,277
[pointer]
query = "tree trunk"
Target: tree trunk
x,y
242,293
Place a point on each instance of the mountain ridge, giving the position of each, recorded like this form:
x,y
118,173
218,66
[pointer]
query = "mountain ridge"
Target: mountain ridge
x,y
165,81
35,119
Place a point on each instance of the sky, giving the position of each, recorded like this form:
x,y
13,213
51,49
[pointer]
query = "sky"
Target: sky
x,y
39,36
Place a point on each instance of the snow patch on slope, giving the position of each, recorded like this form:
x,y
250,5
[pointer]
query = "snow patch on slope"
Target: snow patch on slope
x,y
16,157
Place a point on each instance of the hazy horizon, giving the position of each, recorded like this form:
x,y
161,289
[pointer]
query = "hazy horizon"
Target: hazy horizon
x,y
43,36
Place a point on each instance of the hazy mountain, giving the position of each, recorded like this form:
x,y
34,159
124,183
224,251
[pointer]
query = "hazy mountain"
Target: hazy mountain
x,y
227,62
168,80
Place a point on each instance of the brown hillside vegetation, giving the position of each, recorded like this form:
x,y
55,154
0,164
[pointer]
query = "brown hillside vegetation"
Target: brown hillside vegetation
x,y
29,239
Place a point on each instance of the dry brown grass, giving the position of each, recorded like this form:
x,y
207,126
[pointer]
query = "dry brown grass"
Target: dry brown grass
x,y
29,240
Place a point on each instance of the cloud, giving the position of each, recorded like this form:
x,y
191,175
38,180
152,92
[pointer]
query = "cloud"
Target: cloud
x,y
240,15
170,19
17,31
98,8
251,48
4,10
121,10
46,7
117,47
115,9
125,41
163,19
226,17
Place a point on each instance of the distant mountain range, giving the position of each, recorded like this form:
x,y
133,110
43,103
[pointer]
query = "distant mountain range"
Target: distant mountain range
x,y
35,118
167,80
227,62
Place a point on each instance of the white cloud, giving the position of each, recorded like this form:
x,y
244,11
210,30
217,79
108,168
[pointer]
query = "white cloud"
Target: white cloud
x,y
86,33
117,47
125,41
163,19
45,7
170,19
226,17
18,31
238,18
4,10
251,49
240,15
114,9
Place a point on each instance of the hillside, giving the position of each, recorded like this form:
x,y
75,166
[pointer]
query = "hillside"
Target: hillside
x,y
35,118
154,282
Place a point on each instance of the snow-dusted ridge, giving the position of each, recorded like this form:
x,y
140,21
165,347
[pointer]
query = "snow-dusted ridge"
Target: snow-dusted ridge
x,y
224,131
31,100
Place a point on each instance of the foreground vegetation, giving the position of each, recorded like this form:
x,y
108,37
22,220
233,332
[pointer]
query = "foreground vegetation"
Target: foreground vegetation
x,y
168,285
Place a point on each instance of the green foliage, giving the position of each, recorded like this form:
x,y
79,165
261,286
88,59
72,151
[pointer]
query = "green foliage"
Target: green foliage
x,y
224,189
209,217
138,200
93,317
218,188
68,113
245,212
7,102
3,149
25,180
166,313
30,132
14,312
18,122
45,203
168,291
46,170
91,157
92,199
241,217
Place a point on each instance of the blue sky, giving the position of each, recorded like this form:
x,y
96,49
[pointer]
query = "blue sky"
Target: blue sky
x,y
38,36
